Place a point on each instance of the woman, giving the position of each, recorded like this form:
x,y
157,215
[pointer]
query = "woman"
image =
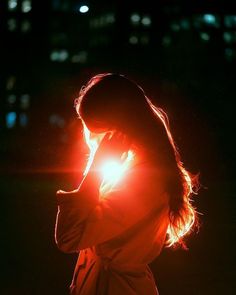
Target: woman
x,y
119,221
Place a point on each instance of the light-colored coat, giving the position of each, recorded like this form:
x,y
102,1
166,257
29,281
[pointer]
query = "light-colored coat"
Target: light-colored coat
x,y
116,236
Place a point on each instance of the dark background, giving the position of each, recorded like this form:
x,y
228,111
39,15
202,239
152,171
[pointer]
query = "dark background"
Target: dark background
x,y
183,53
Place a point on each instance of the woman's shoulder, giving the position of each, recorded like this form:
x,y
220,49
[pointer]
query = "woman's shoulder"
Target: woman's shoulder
x,y
147,177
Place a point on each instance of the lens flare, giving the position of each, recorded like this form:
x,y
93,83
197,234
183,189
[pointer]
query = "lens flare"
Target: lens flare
x,y
112,170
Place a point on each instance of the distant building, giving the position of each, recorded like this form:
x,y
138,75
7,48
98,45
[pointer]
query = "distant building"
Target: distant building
x,y
47,41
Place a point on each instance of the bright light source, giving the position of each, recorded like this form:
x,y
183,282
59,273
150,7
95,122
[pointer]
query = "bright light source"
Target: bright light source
x,y
205,36
11,119
26,6
112,171
12,4
209,18
83,9
146,21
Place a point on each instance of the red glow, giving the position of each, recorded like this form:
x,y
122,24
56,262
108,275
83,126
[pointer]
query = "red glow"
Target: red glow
x,y
112,171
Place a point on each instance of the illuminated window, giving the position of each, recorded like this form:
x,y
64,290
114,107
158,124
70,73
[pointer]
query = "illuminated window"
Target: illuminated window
x,y
205,36
23,120
24,101
12,24
133,39
26,6
103,20
175,26
230,54
25,26
56,121
185,24
12,5
211,20
11,119
10,82
146,21
62,5
144,39
229,37
110,18
166,41
58,39
59,55
11,99
135,18
230,21
81,57
83,9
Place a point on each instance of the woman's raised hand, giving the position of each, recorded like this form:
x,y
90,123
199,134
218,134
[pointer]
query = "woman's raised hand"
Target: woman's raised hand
x,y
112,146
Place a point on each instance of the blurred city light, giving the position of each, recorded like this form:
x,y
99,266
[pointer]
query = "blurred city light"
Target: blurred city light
x,y
83,9
25,101
81,57
230,21
12,4
144,39
205,36
23,120
175,26
59,55
146,21
11,98
211,20
166,41
229,54
135,18
12,25
10,82
56,121
11,119
133,39
26,6
185,24
25,26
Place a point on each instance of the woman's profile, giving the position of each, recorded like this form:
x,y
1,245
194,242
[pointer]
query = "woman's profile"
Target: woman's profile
x,y
134,197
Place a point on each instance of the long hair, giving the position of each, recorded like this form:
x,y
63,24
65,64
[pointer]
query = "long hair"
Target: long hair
x,y
112,102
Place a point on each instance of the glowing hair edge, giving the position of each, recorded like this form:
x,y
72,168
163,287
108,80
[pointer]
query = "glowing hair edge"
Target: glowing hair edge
x,y
179,228
182,223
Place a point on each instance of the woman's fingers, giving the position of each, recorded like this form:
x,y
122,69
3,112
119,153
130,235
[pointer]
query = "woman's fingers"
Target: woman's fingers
x,y
61,192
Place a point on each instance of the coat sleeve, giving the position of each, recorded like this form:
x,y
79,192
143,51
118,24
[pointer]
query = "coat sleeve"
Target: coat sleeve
x,y
81,224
